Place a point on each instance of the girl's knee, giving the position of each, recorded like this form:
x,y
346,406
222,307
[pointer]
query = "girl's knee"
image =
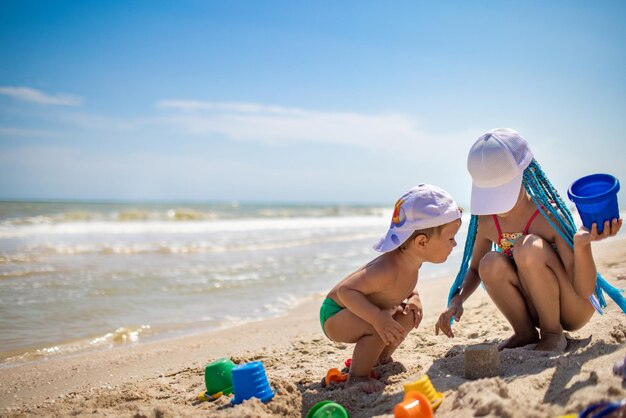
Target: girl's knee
x,y
530,250
491,266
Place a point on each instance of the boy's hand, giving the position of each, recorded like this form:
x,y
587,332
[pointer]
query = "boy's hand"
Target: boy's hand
x,y
454,310
414,305
586,236
389,330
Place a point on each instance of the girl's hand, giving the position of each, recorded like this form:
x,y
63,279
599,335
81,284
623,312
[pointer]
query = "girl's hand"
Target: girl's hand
x,y
585,236
414,304
390,331
455,309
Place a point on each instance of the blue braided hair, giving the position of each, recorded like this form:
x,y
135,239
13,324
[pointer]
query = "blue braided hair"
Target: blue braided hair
x,y
553,209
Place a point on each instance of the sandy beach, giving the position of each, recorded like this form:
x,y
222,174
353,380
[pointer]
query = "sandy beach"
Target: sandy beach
x,y
163,378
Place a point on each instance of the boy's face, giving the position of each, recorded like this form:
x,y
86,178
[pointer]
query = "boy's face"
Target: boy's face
x,y
439,246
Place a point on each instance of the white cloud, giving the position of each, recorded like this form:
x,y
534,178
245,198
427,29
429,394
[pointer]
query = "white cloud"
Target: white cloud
x,y
35,96
191,105
29,133
275,124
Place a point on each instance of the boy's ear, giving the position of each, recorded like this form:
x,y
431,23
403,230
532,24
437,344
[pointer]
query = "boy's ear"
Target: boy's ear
x,y
420,240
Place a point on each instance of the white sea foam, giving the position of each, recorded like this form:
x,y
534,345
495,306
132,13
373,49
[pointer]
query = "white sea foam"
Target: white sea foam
x,y
191,227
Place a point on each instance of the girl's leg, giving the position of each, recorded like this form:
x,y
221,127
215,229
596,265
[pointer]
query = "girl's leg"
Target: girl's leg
x,y
550,291
500,278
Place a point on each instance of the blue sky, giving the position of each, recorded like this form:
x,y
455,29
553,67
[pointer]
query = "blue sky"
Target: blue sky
x,y
321,101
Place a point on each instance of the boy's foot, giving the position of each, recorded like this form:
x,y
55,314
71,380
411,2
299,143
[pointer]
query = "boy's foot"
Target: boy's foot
x,y
384,360
516,340
552,341
365,384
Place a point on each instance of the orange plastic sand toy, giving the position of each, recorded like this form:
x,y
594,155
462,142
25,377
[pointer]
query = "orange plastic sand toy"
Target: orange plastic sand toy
x,y
415,405
335,376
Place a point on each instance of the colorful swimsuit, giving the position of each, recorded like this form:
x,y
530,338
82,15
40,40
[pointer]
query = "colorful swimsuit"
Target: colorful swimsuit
x,y
507,239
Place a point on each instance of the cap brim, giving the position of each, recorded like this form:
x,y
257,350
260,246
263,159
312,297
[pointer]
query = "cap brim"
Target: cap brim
x,y
397,236
495,200
391,241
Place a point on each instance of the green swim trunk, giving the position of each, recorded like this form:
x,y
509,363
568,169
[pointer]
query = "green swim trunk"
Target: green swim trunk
x,y
328,309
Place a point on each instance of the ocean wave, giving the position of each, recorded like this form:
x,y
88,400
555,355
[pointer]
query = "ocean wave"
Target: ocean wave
x,y
40,271
33,213
121,336
18,258
37,253
196,227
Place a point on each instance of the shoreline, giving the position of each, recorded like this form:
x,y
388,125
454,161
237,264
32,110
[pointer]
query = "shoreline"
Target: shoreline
x,y
163,378
122,337
154,334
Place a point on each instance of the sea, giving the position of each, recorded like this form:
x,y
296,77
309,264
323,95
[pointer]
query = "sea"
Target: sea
x,y
85,276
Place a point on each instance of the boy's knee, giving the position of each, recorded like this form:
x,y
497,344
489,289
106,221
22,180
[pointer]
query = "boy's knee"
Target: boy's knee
x,y
407,321
410,324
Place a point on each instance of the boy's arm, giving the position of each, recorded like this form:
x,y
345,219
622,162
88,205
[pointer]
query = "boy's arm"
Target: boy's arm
x,y
414,305
353,294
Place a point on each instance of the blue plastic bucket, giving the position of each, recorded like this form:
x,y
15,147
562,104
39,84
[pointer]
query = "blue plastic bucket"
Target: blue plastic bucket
x,y
250,381
595,197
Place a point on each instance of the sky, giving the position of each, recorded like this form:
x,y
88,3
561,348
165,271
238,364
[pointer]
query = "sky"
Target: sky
x,y
305,102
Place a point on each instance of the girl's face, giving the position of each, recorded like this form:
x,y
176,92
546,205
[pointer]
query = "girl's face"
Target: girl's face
x,y
439,246
523,196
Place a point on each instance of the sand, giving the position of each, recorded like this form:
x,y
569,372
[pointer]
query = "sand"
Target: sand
x,y
163,378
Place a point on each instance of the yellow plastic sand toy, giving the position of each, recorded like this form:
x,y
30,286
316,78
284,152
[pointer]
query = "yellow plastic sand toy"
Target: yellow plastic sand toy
x,y
424,386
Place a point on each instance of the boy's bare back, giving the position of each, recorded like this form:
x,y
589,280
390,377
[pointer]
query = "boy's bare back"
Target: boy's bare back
x,y
385,282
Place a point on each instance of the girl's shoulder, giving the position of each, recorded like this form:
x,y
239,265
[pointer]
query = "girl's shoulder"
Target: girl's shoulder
x,y
485,224
486,231
544,227
484,220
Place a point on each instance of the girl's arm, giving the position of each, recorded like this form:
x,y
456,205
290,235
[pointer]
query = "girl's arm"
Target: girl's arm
x,y
471,282
580,264
482,246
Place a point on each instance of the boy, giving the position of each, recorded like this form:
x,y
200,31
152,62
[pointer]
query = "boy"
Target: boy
x,y
377,305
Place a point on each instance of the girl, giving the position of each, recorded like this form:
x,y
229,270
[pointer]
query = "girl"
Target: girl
x,y
542,274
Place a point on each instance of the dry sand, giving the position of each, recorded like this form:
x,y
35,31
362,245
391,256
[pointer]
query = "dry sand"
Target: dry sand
x,y
162,379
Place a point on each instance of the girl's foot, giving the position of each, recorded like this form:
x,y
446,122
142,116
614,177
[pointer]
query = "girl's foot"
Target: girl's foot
x,y
552,341
365,384
516,340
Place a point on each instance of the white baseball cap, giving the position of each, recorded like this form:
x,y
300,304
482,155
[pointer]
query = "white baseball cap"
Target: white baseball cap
x,y
496,162
424,206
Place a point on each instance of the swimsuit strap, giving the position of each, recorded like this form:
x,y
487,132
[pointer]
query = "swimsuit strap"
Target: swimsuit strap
x,y
530,221
495,221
